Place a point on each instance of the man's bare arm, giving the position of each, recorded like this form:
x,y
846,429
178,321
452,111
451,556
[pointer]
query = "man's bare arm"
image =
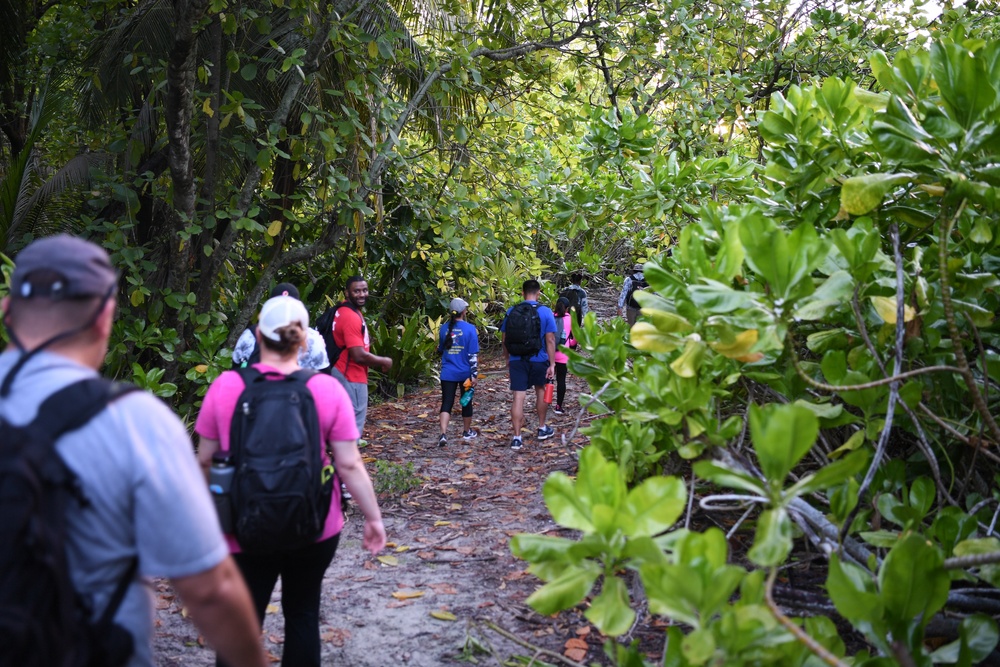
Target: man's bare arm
x,y
221,607
359,356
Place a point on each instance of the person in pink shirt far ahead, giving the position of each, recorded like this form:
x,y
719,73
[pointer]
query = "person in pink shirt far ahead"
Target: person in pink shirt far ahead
x,y
281,332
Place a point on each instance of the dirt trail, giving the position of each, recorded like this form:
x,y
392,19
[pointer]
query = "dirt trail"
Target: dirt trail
x,y
450,548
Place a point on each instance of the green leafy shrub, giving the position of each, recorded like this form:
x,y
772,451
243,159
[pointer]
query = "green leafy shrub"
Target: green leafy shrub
x,y
824,353
411,346
395,479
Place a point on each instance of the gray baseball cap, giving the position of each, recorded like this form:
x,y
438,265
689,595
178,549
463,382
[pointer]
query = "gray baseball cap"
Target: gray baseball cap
x,y
458,305
81,269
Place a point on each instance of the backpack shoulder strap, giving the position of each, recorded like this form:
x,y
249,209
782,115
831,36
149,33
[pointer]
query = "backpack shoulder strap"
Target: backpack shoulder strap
x,y
73,406
303,374
348,304
65,411
249,375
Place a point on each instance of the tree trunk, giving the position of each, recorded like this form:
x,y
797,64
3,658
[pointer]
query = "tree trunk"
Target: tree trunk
x,y
180,91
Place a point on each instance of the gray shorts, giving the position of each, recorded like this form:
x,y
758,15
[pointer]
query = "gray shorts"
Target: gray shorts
x,y
358,392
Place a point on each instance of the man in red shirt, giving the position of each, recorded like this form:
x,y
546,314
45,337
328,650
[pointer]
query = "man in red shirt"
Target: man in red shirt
x,y
351,336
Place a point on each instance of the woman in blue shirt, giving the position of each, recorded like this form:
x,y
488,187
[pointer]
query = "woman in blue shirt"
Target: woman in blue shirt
x,y
458,344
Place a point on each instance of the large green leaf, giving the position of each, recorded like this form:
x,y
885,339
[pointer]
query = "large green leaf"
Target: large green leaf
x,y
537,548
961,77
853,592
977,638
655,505
734,479
781,436
610,611
565,591
718,298
912,581
861,194
834,293
674,591
565,505
651,338
831,474
773,541
599,481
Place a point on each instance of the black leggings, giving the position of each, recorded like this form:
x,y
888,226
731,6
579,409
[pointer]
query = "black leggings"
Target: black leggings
x,y
449,389
560,383
301,572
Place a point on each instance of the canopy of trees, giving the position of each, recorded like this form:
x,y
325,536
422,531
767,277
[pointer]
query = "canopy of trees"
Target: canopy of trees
x,y
820,343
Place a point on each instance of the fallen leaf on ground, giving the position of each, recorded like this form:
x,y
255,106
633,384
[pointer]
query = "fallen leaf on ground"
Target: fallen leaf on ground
x,y
391,561
272,657
407,595
444,615
449,492
398,603
584,631
336,636
456,506
443,589
426,555
575,654
402,548
363,578
442,523
466,551
272,609
275,639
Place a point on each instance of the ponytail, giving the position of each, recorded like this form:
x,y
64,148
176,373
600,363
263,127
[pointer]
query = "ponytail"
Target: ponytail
x,y
451,325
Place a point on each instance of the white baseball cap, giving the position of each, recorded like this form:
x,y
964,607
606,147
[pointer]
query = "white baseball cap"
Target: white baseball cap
x,y
278,312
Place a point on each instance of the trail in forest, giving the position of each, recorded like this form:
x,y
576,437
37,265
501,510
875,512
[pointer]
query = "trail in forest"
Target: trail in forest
x,y
448,571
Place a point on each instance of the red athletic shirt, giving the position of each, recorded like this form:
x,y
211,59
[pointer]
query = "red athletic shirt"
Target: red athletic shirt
x,y
349,331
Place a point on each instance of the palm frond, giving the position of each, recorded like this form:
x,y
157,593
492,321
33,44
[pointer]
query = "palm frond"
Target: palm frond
x,y
114,83
35,207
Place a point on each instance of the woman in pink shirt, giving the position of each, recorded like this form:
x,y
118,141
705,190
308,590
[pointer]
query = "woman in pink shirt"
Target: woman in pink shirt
x,y
281,332
564,337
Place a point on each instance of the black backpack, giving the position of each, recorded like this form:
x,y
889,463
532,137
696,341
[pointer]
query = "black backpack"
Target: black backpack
x,y
44,622
280,498
637,284
572,294
325,327
524,330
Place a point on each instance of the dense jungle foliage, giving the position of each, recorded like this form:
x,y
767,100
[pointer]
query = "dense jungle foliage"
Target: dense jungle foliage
x,y
814,188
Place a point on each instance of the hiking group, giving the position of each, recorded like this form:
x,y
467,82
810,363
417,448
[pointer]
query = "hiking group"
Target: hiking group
x,y
102,488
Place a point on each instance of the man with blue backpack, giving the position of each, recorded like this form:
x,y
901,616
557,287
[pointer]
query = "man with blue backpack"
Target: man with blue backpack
x,y
529,347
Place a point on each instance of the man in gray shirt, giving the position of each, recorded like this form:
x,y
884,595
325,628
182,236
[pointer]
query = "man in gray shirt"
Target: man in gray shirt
x,y
146,497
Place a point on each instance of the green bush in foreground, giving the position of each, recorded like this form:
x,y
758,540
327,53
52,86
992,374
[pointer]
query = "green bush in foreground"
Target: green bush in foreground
x,y
826,356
